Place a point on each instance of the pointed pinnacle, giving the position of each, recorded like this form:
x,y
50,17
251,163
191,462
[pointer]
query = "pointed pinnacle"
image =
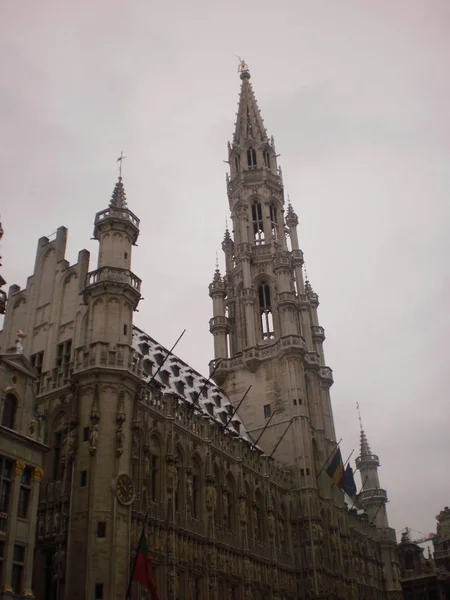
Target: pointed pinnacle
x,y
118,199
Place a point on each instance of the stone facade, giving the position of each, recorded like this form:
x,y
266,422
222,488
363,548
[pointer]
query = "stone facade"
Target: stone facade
x,y
137,436
21,462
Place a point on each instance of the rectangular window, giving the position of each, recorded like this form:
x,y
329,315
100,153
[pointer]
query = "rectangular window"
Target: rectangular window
x,y
267,411
85,434
63,353
17,569
56,455
125,329
25,493
98,591
125,255
101,529
83,478
6,470
295,402
37,360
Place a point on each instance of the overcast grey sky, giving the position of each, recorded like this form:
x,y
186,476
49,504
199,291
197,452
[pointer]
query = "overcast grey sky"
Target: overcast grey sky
x,y
357,95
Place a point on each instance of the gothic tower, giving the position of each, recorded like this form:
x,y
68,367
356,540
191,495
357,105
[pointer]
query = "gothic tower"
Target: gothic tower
x,y
265,324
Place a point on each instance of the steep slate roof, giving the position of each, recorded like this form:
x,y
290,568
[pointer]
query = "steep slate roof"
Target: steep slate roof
x,y
179,378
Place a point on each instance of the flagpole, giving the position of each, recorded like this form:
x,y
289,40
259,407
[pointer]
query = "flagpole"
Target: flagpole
x,y
326,462
348,459
234,410
162,364
136,557
264,428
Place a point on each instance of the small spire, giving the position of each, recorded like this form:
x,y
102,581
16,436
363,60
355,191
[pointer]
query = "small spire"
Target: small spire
x,y
227,236
118,199
217,276
291,216
365,448
308,286
249,123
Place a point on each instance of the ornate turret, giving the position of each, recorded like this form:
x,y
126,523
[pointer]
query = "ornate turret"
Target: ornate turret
x,y
218,325
372,498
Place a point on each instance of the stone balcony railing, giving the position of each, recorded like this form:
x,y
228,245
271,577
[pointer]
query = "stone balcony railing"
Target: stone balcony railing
x,y
117,213
55,379
218,324
368,458
297,256
112,274
318,333
326,374
374,496
108,356
253,176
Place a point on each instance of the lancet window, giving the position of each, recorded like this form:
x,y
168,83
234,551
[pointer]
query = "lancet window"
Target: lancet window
x,y
274,221
265,311
258,223
155,470
251,157
237,162
266,157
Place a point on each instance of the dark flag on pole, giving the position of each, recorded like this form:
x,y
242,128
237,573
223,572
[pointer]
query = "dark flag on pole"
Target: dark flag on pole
x,y
143,571
335,469
349,482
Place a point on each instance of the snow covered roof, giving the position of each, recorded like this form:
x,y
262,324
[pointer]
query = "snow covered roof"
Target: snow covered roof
x,y
192,388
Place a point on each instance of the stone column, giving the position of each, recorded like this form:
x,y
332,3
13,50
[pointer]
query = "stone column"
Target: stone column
x,y
37,476
12,525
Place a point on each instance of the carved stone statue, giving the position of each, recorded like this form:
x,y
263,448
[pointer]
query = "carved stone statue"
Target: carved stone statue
x,y
190,489
225,507
120,438
211,497
93,438
56,522
243,510
172,477
146,468
271,524
71,443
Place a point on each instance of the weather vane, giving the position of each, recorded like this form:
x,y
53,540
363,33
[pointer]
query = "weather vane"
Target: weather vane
x,y
120,160
243,66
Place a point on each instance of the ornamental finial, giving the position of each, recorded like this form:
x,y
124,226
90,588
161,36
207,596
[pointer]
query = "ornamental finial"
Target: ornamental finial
x,y
243,68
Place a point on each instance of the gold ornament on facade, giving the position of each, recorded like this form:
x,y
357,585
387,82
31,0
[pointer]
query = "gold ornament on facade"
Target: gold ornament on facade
x,y
38,474
20,466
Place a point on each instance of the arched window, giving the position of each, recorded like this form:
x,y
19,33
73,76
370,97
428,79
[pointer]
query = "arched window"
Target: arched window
x,y
196,489
266,157
9,411
251,157
237,162
249,510
155,469
258,224
274,222
265,311
282,532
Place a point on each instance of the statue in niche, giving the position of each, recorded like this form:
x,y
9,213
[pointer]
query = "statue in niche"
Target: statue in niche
x,y
120,439
190,489
271,524
211,497
146,468
243,510
172,477
93,438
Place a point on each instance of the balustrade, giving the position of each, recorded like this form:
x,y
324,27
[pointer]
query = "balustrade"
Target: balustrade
x,y
113,274
118,213
100,354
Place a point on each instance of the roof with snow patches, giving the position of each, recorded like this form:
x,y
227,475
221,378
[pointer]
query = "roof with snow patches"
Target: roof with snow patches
x,y
192,388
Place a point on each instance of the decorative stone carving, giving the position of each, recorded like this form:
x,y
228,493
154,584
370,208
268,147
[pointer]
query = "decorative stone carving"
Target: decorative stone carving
x,y
93,438
146,468
172,584
243,510
20,466
190,488
271,524
120,438
38,474
172,477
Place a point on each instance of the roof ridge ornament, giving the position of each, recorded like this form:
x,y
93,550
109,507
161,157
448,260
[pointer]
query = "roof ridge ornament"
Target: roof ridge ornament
x,y
243,68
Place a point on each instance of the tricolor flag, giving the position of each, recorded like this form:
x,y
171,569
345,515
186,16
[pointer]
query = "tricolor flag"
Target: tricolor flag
x,y
143,569
335,469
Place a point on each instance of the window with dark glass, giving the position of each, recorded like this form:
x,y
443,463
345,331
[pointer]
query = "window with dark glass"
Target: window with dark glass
x,y
266,157
86,434
25,493
265,311
63,353
267,411
101,529
6,473
251,157
83,478
37,360
17,568
98,591
258,223
9,411
237,162
154,474
274,222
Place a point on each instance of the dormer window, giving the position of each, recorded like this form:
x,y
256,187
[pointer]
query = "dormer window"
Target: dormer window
x,y
251,157
266,157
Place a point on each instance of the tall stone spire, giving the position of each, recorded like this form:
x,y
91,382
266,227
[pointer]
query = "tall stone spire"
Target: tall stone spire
x,y
249,123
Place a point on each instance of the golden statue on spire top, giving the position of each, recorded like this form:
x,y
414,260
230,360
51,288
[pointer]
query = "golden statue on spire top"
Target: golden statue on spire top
x,y
243,66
